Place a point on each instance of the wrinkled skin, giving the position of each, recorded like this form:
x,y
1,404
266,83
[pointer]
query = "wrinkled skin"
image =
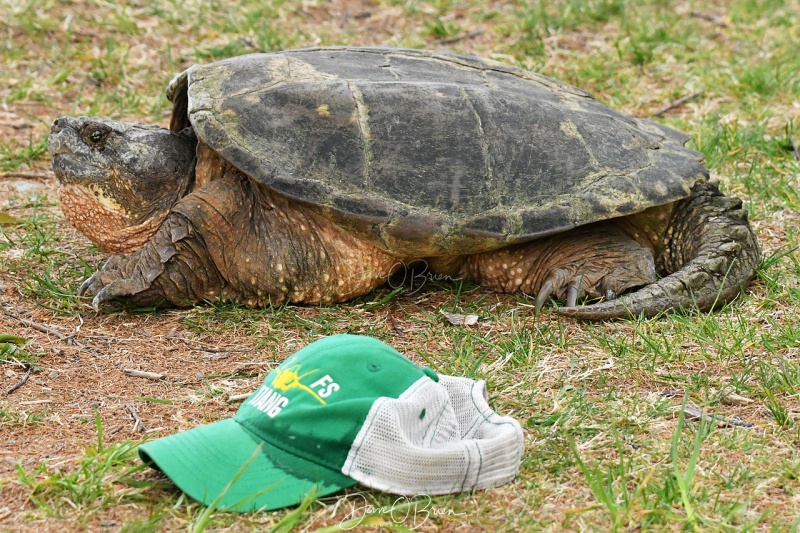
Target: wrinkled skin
x,y
119,181
193,228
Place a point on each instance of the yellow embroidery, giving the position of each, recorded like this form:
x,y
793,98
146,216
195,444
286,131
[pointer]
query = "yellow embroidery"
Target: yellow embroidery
x,y
288,379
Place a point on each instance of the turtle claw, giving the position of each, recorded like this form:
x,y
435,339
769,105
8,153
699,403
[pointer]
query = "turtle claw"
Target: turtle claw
x,y
557,287
115,279
103,277
86,285
572,296
544,294
100,298
95,288
96,303
610,295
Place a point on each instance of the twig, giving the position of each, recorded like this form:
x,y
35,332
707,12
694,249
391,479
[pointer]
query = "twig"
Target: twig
x,y
21,382
694,413
250,44
461,37
37,326
141,374
795,151
728,396
677,103
217,355
239,397
138,425
710,18
60,447
29,175
397,327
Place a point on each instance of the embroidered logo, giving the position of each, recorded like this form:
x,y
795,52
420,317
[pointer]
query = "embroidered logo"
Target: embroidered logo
x,y
289,379
271,402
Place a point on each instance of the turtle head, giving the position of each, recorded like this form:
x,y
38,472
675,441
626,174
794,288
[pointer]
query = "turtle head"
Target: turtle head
x,y
119,180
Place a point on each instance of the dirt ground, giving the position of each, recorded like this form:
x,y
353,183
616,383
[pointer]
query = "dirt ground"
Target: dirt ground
x,y
83,366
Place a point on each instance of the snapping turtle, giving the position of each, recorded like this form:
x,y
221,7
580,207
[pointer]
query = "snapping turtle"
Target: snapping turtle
x,y
313,175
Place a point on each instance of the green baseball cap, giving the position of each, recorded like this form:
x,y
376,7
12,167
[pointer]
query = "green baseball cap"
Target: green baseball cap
x,y
343,410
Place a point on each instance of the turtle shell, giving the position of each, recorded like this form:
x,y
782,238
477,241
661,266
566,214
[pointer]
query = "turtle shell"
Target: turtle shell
x,y
429,152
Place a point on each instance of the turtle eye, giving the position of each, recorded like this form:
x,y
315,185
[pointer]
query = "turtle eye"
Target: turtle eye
x,y
96,134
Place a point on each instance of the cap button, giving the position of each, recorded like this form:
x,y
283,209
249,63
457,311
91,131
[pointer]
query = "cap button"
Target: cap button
x,y
428,371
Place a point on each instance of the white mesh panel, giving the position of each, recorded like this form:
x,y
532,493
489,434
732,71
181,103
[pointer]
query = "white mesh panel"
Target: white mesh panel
x,y
458,444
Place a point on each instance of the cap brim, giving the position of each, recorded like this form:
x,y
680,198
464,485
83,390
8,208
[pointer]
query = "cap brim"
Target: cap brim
x,y
222,460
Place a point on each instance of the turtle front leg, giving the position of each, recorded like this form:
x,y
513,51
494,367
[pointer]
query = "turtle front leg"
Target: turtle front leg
x,y
170,269
234,241
597,261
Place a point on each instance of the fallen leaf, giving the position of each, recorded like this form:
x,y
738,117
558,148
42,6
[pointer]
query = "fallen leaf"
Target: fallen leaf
x,y
460,320
5,218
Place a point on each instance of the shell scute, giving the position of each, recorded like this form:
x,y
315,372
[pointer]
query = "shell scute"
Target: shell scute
x,y
431,152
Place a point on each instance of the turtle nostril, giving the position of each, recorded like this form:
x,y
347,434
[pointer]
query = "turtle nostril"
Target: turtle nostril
x,y
54,142
56,127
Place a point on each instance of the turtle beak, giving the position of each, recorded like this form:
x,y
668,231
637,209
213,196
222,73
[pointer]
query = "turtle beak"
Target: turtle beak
x,y
71,161
57,125
55,143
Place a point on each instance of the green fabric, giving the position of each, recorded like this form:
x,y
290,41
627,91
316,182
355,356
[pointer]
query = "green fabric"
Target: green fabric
x,y
204,460
305,416
353,371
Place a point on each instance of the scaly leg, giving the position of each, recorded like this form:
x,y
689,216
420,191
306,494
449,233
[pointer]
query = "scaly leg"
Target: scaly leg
x,y
596,261
233,240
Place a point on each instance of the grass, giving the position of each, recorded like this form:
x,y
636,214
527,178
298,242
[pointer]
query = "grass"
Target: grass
x,y
88,485
607,444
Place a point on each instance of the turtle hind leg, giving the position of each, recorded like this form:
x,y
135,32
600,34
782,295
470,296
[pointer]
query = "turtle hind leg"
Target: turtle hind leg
x,y
709,254
595,261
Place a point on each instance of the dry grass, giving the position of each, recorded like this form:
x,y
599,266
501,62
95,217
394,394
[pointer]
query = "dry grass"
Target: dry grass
x,y
604,395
